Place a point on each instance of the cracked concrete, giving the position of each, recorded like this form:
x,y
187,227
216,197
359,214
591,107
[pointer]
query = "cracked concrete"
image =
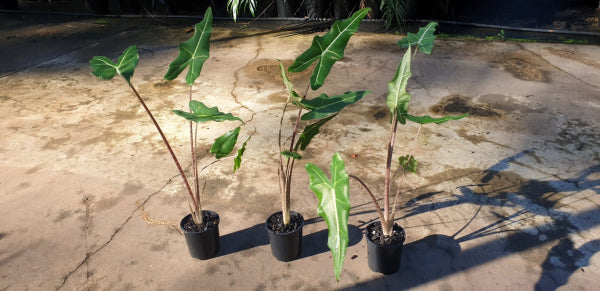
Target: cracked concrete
x,y
506,199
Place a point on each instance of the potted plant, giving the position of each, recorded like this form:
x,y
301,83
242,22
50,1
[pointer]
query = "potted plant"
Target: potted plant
x,y
200,226
285,227
385,238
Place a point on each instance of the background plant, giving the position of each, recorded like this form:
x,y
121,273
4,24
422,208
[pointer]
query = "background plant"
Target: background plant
x,y
393,12
234,7
192,54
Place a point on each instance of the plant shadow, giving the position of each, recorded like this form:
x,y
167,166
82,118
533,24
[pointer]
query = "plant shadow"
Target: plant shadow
x,y
256,236
438,256
244,239
316,243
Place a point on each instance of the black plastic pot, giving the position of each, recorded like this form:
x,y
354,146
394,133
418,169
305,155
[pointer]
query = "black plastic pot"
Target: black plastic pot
x,y
204,244
384,259
286,246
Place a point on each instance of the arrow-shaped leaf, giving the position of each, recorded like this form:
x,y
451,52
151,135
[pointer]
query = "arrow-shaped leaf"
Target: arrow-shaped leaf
x,y
237,161
292,95
334,206
193,52
328,49
423,38
309,132
398,98
409,163
223,145
202,113
293,155
428,119
324,105
106,69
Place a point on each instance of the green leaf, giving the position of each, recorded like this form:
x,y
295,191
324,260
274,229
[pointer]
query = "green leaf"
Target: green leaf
x,y
423,38
223,145
237,161
428,119
309,132
234,6
293,155
324,105
193,52
398,98
106,69
328,49
334,206
202,113
292,95
393,12
409,163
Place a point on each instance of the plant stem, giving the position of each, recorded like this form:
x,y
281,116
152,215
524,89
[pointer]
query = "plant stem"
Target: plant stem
x,y
198,206
410,153
162,135
386,223
285,176
289,172
377,207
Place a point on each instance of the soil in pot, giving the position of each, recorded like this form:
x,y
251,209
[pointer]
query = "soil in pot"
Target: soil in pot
x,y
286,241
384,253
202,240
209,218
275,222
375,234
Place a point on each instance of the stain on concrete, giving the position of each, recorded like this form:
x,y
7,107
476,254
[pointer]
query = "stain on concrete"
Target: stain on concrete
x,y
277,98
575,56
495,187
55,143
475,139
381,113
459,104
123,115
160,247
164,85
33,170
106,204
267,72
131,188
523,65
62,215
509,104
107,137
211,269
576,136
24,185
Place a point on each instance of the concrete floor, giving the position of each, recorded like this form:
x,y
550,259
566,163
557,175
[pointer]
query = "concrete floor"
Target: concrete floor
x,y
507,199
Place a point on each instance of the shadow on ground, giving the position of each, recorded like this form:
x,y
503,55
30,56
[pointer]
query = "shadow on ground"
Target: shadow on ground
x,y
256,236
438,256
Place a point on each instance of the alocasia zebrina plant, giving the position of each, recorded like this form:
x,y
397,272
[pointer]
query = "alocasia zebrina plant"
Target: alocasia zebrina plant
x,y
325,50
398,101
192,54
334,204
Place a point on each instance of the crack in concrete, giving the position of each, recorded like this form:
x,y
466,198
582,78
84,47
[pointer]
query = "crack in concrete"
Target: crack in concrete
x,y
89,254
237,79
